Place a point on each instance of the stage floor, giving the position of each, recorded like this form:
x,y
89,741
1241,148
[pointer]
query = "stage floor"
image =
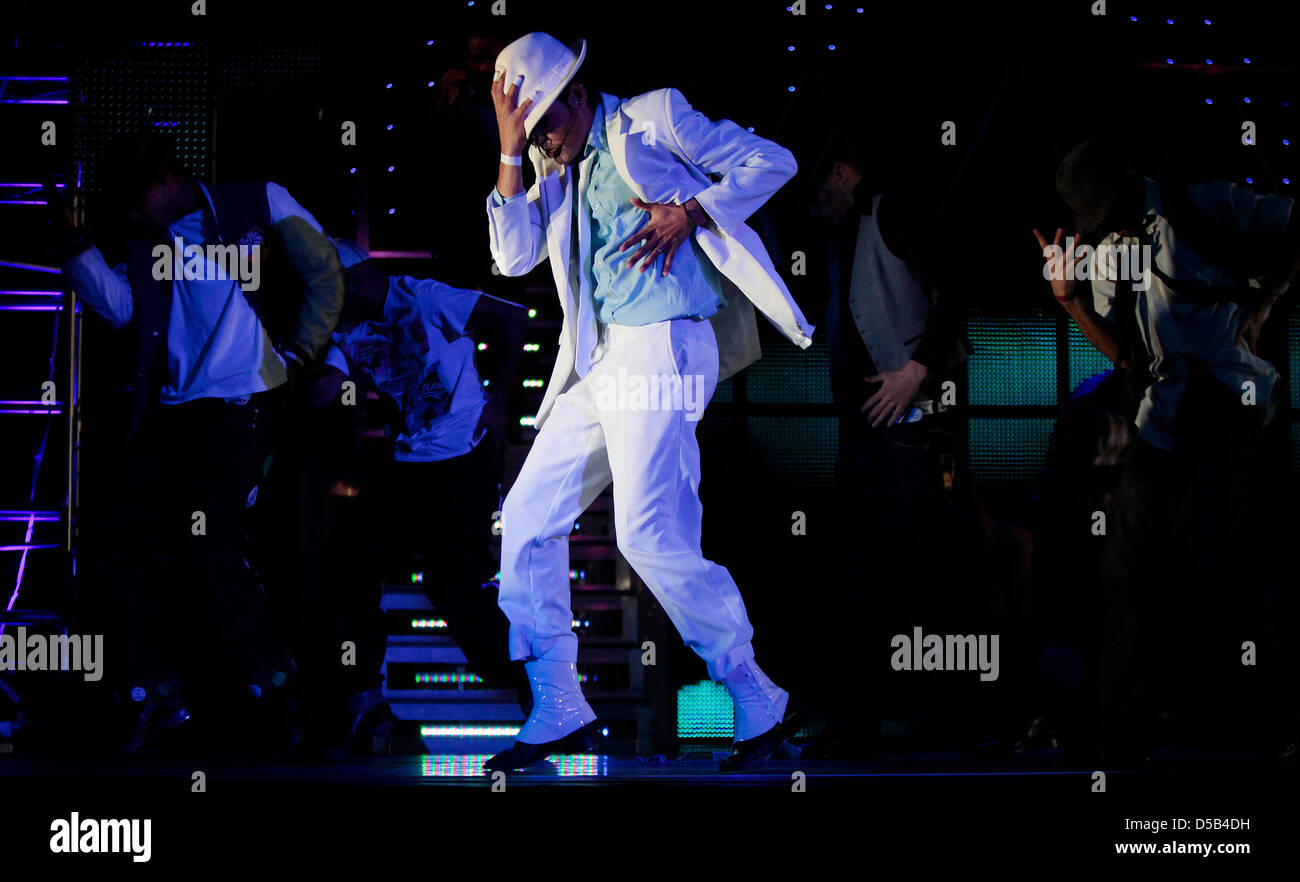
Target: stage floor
x,y
695,767
413,810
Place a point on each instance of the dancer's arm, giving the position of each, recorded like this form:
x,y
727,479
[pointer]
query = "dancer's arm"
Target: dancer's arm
x,y
751,168
1087,320
515,226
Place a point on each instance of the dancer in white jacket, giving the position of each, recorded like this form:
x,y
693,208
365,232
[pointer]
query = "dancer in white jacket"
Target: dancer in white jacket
x,y
644,247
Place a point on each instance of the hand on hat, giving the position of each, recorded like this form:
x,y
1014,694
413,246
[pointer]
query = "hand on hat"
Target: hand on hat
x,y
510,118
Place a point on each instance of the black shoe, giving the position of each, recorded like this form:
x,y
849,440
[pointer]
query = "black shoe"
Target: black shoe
x,y
754,750
1041,735
375,724
522,754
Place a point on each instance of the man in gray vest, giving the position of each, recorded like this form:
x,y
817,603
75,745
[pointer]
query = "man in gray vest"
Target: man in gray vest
x,y
893,342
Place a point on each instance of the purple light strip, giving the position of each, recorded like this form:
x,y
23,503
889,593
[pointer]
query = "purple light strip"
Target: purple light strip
x,y
23,548
4,308
22,566
57,186
33,100
23,202
32,293
9,411
35,79
31,266
25,514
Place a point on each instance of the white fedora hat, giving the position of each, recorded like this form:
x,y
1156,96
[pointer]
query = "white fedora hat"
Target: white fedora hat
x,y
546,66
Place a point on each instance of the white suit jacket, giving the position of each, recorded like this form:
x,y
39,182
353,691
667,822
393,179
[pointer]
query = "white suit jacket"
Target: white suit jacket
x,y
666,152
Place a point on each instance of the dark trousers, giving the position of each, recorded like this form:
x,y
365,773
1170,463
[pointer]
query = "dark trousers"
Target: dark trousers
x,y
169,544
320,532
895,512
442,518
1184,569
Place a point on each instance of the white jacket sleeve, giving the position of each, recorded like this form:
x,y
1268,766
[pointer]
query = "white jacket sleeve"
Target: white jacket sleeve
x,y
105,290
516,234
752,168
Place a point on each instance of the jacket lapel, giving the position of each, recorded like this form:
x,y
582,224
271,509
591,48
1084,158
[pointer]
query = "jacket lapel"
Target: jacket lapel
x,y
616,136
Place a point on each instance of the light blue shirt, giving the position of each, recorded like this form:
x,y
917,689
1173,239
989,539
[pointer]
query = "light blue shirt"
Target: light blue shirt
x,y
419,355
622,295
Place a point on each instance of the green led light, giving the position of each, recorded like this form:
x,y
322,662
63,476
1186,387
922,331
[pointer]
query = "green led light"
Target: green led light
x,y
704,710
448,678
1008,451
468,731
1014,360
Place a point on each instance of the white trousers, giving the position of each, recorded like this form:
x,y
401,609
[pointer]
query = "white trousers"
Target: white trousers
x,y
631,420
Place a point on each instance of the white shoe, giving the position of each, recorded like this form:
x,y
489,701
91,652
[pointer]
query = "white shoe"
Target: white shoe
x,y
559,708
759,703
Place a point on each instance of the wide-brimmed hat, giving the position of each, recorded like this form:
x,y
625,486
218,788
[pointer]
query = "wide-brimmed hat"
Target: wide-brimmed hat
x,y
546,66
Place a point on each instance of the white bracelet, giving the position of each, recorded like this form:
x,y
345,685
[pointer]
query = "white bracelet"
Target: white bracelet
x,y
511,160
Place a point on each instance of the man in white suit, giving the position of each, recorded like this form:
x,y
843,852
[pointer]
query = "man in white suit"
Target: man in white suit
x,y
657,276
